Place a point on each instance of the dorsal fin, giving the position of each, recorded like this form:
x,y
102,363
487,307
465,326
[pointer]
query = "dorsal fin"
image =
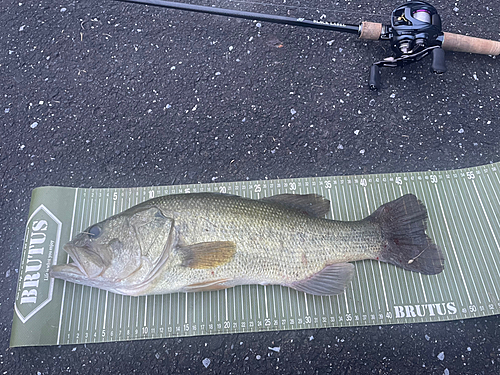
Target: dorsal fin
x,y
313,204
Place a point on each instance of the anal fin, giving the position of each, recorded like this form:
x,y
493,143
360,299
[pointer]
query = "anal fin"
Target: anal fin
x,y
331,280
208,285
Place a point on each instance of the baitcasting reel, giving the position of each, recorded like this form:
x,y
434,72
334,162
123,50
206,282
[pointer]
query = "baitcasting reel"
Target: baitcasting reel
x,y
415,32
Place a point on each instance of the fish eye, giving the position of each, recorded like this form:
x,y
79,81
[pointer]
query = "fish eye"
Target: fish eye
x,y
95,231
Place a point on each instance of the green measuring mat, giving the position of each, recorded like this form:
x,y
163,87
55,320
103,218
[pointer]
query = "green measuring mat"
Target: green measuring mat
x,y
464,220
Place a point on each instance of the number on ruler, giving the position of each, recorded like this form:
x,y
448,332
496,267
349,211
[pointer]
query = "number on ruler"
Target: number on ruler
x,y
293,186
471,175
434,179
363,182
151,194
328,184
115,196
222,189
257,188
398,180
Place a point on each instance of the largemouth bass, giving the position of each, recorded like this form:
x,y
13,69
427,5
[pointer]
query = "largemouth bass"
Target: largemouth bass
x,y
209,241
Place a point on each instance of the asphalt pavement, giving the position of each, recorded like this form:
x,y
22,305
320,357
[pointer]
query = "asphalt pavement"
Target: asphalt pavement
x,y
109,94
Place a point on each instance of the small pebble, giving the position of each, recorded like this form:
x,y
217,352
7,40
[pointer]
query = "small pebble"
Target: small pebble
x,y
206,362
441,356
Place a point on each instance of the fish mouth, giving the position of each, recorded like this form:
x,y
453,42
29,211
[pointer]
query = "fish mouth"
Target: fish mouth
x,y
71,270
68,272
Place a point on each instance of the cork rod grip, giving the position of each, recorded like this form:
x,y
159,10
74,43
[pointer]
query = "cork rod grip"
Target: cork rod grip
x,y
370,30
462,43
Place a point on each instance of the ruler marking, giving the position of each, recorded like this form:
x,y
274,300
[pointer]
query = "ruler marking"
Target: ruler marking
x,y
415,189
178,308
234,304
306,304
413,275
226,304
91,289
63,299
345,219
496,197
450,237
371,263
459,214
97,305
485,262
82,288
382,278
484,234
398,272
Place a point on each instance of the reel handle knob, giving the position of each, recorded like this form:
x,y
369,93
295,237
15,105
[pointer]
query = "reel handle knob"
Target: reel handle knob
x,y
438,61
375,81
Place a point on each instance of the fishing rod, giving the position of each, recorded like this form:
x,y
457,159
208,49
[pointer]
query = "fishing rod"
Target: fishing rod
x,y
414,33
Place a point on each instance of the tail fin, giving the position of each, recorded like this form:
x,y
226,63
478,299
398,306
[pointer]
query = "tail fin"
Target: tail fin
x,y
403,223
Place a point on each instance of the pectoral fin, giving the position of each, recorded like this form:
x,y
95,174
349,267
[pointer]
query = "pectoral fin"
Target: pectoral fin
x,y
331,280
205,255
